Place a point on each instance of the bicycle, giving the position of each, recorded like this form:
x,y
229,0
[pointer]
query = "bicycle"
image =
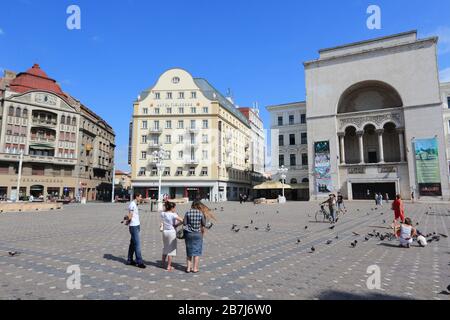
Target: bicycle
x,y
323,215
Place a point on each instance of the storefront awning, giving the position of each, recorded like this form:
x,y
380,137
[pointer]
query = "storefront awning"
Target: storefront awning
x,y
271,185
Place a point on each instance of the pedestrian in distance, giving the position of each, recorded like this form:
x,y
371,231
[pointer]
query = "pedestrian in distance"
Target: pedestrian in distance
x,y
398,208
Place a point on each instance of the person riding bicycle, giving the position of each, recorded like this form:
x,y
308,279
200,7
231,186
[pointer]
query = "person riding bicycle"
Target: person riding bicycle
x,y
331,201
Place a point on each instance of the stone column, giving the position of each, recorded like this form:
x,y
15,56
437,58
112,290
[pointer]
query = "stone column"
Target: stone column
x,y
380,144
360,135
402,145
342,146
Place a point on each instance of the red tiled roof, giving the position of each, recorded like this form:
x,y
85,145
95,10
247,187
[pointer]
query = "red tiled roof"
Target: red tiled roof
x,y
35,79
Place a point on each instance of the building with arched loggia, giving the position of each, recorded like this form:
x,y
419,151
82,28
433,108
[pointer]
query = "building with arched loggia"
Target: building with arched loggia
x,y
375,120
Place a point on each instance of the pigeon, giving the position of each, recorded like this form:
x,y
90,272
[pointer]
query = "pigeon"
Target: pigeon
x,y
256,228
366,239
417,223
382,238
245,227
298,241
443,235
278,211
237,230
233,227
353,244
384,221
337,236
306,227
356,234
209,226
329,242
313,249
13,253
251,222
448,288
332,227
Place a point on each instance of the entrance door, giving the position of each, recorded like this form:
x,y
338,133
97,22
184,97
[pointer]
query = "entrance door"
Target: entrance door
x,y
366,191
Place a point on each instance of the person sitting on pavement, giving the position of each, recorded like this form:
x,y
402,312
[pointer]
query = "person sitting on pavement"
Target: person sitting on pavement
x,y
405,232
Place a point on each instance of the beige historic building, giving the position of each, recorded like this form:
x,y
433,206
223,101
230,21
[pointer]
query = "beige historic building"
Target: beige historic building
x,y
208,140
375,118
67,149
445,96
290,147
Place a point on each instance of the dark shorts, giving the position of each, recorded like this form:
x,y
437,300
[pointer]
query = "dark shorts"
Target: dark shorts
x,y
194,243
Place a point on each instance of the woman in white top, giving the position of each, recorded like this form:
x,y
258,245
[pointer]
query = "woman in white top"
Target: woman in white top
x,y
170,220
406,233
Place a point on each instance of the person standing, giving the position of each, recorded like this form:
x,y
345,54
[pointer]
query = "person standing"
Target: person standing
x,y
170,220
399,211
331,206
340,201
135,229
387,197
194,229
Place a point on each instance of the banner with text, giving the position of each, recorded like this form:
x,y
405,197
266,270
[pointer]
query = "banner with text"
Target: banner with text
x,y
322,167
427,166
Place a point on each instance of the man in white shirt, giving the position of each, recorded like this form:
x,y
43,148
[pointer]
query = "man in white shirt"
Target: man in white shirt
x,y
135,228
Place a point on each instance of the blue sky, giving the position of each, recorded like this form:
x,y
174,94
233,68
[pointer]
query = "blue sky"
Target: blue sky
x,y
256,48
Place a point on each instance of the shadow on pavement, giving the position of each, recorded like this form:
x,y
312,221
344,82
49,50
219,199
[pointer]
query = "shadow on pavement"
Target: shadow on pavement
x,y
339,295
156,264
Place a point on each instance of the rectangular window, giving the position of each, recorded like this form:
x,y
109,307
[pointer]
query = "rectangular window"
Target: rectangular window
x,y
180,138
304,159
280,121
204,171
181,110
192,124
281,160
205,138
180,124
143,139
292,160
143,155
292,139
205,110
180,155
179,172
169,110
166,172
194,110
205,124
156,110
205,154
168,139
154,171
291,120
169,95
157,95
145,111
156,124
168,124
303,118
192,171
144,124
192,139
193,95
281,140
181,95
304,138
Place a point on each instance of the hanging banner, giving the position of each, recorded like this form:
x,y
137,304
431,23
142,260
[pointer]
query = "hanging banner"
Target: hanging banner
x,y
427,167
322,167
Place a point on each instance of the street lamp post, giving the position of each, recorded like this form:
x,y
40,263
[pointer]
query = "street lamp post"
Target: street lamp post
x,y
19,176
283,170
158,158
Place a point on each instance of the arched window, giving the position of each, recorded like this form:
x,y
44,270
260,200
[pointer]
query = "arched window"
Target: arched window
x,y
63,119
68,121
74,121
25,113
293,181
11,111
306,180
18,112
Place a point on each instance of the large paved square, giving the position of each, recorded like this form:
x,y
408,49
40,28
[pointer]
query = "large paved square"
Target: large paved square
x,y
250,264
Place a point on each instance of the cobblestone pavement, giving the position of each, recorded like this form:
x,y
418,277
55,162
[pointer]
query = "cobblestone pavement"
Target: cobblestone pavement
x,y
250,264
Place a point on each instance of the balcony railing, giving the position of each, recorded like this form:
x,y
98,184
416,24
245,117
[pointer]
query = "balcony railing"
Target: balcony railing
x,y
191,161
43,140
155,130
41,122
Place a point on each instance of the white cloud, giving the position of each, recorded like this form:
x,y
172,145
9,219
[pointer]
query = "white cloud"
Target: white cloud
x,y
444,39
444,75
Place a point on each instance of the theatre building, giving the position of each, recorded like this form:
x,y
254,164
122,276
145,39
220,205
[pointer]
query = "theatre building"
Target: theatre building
x,y
375,120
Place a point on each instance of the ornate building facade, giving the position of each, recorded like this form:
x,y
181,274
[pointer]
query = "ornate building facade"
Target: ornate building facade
x,y
375,120
67,149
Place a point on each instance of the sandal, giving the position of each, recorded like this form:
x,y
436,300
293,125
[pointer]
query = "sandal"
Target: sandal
x,y
188,271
